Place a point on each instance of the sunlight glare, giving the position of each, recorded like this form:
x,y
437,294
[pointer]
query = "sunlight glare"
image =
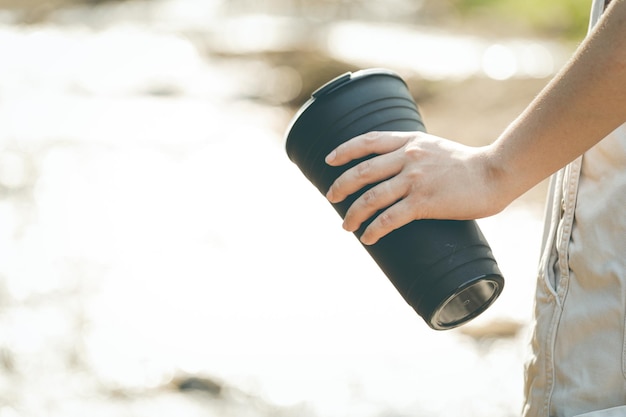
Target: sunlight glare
x,y
499,62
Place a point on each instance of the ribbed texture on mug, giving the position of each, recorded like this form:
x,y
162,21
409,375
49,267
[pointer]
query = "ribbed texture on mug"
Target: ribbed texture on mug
x,y
426,260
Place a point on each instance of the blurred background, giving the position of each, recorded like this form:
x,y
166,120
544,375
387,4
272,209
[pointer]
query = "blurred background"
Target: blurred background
x,y
161,256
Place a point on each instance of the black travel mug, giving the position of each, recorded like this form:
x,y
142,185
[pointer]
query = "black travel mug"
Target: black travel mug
x,y
444,269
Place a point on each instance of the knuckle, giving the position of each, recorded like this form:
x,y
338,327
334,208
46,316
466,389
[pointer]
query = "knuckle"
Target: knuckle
x,y
370,139
364,169
371,136
385,219
412,153
370,196
413,177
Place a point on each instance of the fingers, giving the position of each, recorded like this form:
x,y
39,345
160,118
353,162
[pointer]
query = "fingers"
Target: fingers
x,y
373,170
389,220
390,191
370,171
376,198
366,144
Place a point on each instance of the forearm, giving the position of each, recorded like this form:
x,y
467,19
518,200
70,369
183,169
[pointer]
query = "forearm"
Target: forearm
x,y
582,104
420,176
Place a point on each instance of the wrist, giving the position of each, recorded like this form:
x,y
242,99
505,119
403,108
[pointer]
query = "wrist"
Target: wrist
x,y
499,178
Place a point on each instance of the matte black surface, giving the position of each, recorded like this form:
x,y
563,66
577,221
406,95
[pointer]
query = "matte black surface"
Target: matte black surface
x,y
430,262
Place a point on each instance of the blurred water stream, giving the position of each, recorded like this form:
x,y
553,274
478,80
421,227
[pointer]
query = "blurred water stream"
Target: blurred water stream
x,y
152,229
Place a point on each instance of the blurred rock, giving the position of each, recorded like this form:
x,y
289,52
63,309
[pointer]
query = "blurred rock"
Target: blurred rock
x,y
497,329
199,384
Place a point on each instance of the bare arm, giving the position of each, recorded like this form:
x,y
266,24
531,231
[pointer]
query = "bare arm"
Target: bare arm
x,y
582,104
430,177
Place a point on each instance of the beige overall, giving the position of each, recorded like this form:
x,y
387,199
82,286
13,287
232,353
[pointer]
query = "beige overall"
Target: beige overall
x,y
578,367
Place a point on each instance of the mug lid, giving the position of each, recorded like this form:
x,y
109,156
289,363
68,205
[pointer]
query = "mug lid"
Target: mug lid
x,y
349,77
332,86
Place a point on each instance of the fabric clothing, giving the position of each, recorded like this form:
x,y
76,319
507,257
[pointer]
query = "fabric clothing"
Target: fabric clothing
x,y
578,366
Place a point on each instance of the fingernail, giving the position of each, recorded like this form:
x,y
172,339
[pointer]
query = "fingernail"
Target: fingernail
x,y
330,157
366,241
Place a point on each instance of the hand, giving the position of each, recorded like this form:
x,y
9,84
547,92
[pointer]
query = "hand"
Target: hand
x,y
423,177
